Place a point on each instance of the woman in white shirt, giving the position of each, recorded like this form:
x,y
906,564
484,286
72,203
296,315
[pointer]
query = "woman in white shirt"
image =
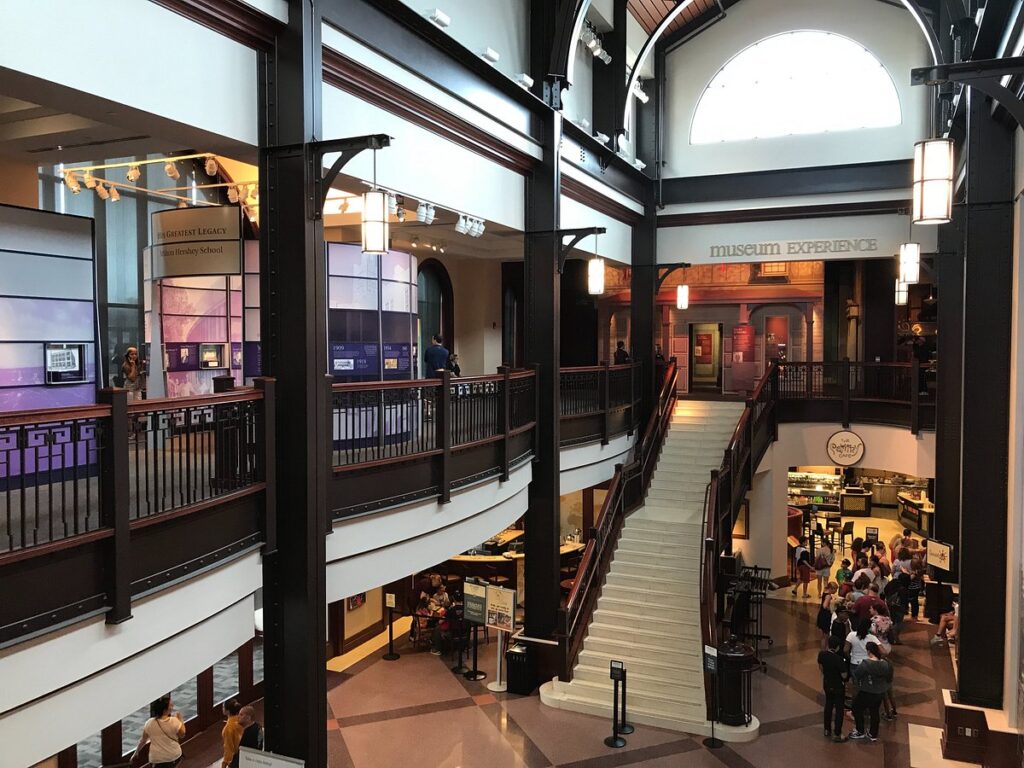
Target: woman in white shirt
x,y
857,641
163,731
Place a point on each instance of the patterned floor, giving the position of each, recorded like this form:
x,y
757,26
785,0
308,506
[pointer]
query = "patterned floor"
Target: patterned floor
x,y
416,712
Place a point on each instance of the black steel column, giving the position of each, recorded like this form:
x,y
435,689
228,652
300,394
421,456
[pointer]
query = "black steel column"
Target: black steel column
x,y
294,335
988,311
609,85
643,302
543,350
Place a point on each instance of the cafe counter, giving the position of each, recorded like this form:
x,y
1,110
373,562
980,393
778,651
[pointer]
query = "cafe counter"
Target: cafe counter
x,y
510,565
916,514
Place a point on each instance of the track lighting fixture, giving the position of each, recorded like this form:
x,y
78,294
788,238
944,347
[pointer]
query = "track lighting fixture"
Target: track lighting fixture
x,y
524,80
89,179
460,225
114,194
431,214
401,215
232,194
602,137
171,170
639,92
421,213
489,54
210,166
440,19
392,205
605,57
415,242
71,182
101,191
133,174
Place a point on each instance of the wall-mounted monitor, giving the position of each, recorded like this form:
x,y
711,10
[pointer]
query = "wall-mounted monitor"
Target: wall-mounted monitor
x,y
64,363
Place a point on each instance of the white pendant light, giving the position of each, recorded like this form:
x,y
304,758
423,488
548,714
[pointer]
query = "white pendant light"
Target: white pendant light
x,y
910,263
933,181
683,297
375,222
902,294
595,276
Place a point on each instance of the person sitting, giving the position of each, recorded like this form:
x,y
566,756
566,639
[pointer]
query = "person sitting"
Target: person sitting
x,y
442,632
949,623
441,598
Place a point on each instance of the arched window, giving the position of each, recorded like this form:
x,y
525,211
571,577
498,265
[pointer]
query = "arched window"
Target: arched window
x,y
436,306
796,83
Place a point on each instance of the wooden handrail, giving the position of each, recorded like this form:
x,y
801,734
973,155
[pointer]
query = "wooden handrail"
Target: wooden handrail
x,y
240,395
53,415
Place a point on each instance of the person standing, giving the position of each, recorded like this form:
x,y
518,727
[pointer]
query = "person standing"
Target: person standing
x,y
231,734
833,682
823,565
874,679
621,355
132,372
435,358
163,732
801,549
252,733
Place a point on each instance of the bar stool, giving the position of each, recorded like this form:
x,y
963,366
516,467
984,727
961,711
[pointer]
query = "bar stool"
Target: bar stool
x,y
568,571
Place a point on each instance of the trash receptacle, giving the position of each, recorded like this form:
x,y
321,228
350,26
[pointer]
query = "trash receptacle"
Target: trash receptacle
x,y
736,661
519,663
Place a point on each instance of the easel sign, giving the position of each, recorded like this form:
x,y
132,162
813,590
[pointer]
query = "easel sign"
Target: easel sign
x,y
254,758
501,609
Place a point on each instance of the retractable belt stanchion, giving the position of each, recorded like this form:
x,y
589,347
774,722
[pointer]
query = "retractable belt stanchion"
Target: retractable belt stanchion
x,y
615,740
711,667
475,673
460,668
624,727
390,655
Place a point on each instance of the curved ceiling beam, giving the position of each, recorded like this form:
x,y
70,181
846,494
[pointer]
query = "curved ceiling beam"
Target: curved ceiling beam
x,y
641,58
926,30
568,27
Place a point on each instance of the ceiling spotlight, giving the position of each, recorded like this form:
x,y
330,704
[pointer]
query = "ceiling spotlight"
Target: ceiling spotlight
x,y
639,92
481,226
640,164
211,166
441,249
101,192
114,195
460,225
133,174
602,137
491,55
415,243
431,214
604,56
232,194
440,19
524,80
71,182
89,179
171,170
434,246
392,205
421,213
401,215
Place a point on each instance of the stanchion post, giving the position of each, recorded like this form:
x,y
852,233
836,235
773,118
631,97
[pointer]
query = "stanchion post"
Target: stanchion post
x,y
624,727
711,667
475,673
460,668
617,668
391,655
497,685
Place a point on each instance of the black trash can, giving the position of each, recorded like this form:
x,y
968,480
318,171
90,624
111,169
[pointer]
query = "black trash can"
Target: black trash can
x,y
736,661
521,672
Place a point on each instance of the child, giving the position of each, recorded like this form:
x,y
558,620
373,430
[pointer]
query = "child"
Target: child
x,y
844,574
804,571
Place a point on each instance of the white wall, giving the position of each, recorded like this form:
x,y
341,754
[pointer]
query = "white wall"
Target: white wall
x,y
615,244
694,244
578,99
424,165
583,466
97,672
499,24
888,32
890,448
137,54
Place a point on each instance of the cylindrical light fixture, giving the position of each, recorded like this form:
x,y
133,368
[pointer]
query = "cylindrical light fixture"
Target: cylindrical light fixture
x,y
902,294
933,181
375,222
910,263
595,276
682,297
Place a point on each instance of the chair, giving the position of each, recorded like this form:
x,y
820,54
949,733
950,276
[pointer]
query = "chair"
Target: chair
x,y
847,531
422,631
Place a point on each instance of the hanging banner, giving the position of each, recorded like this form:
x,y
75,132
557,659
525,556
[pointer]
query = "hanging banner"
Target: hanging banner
x,y
190,242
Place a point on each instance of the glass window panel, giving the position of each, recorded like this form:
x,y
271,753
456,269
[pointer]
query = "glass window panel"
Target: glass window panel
x,y
350,261
768,90
395,297
123,252
252,325
90,752
225,678
352,293
252,290
257,660
395,266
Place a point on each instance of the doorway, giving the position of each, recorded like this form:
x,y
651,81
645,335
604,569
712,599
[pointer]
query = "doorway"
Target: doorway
x,y
776,339
705,357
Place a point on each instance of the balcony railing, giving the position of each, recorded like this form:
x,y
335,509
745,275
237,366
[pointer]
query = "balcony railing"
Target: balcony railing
x,y
125,497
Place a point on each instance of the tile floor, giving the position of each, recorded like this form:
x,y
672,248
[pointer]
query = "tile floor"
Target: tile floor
x,y
415,712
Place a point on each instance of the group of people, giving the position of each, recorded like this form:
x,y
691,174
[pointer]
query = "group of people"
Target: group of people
x,y
164,732
433,604
437,358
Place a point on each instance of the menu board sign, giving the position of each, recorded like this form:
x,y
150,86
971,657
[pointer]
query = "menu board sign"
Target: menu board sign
x,y
501,608
474,601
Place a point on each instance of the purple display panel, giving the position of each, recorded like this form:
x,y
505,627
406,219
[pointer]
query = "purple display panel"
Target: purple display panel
x,y
236,355
45,320
397,361
355,358
253,359
181,357
36,398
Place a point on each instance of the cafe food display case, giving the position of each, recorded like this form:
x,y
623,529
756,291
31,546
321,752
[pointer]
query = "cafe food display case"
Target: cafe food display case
x,y
815,488
916,510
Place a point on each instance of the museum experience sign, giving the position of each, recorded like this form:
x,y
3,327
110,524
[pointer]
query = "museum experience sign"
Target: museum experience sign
x,y
189,242
782,248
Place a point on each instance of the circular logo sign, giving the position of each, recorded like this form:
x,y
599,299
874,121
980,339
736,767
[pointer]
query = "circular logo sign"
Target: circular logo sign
x,y
845,448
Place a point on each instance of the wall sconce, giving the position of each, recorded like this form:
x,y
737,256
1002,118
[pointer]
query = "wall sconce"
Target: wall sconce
x,y
933,181
595,276
683,297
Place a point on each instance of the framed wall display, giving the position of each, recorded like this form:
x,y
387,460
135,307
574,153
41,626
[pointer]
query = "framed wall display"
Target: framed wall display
x,y
236,355
213,356
181,357
356,601
64,363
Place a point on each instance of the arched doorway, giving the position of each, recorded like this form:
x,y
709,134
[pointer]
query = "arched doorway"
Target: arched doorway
x,y
436,307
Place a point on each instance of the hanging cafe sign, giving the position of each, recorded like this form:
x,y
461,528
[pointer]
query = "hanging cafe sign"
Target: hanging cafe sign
x,y
795,248
845,448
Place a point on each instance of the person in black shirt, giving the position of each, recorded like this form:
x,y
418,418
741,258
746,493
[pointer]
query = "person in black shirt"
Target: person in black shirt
x,y
833,682
621,355
252,733
435,358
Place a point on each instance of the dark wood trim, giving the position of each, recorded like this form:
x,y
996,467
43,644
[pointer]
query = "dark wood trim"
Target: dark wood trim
x,y
352,77
820,180
231,18
581,193
44,550
191,509
600,161
885,207
348,643
388,462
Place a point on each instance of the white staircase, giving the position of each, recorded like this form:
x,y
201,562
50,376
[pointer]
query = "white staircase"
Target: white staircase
x,y
648,614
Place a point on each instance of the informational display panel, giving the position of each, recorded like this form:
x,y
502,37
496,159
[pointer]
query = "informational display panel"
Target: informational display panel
x,y
354,358
939,555
474,601
254,758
